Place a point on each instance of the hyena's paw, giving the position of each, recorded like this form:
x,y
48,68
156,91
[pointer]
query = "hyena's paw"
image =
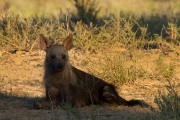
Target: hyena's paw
x,y
44,105
38,105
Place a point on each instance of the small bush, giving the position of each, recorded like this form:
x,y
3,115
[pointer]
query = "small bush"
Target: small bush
x,y
165,70
173,33
117,71
87,11
169,104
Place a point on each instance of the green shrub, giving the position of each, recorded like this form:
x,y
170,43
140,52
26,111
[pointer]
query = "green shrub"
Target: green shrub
x,y
87,11
169,103
165,70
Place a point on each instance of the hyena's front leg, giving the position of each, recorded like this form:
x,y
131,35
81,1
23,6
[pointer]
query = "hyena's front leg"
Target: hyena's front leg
x,y
51,99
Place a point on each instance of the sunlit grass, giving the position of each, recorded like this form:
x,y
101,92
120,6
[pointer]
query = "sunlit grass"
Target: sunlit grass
x,y
108,7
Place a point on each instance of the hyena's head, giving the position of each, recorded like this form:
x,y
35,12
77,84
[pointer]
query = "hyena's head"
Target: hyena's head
x,y
56,55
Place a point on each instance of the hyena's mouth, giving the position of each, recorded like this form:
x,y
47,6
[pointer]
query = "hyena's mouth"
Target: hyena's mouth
x,y
58,68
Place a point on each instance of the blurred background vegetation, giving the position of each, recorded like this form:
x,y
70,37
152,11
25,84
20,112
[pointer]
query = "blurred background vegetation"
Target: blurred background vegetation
x,y
127,20
107,7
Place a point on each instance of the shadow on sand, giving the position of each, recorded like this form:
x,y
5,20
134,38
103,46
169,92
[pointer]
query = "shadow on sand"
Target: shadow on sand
x,y
13,107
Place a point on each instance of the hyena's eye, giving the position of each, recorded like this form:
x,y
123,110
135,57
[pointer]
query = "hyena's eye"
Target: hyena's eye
x,y
63,56
53,56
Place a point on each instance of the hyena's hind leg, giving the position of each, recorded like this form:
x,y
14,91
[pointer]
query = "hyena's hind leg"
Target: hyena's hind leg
x,y
110,95
50,101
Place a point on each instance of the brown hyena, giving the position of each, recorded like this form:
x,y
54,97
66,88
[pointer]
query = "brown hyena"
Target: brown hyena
x,y
67,84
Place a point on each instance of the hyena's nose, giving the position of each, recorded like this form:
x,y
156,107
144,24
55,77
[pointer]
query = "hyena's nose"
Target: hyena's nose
x,y
60,65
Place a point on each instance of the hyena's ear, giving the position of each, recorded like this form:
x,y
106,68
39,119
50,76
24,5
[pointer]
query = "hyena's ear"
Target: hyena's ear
x,y
68,42
43,42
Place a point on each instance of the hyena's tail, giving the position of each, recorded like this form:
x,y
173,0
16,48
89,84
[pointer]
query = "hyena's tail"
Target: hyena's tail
x,y
136,102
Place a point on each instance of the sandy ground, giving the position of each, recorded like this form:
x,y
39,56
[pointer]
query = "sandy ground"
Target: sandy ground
x,y
21,85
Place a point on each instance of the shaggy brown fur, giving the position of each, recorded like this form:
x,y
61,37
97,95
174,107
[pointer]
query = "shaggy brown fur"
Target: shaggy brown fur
x,y
65,83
